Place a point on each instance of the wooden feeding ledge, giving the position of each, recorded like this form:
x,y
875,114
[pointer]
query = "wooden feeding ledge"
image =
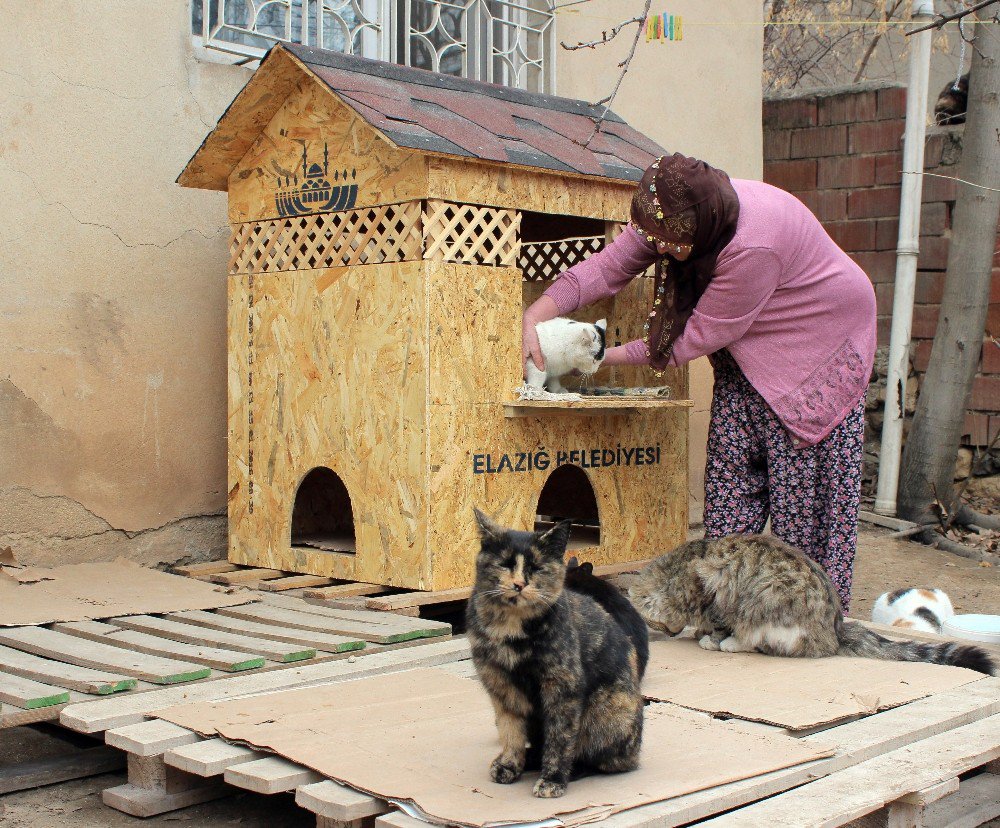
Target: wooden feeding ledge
x,y
389,225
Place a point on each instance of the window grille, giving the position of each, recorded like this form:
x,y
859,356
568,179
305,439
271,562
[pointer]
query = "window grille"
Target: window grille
x,y
511,42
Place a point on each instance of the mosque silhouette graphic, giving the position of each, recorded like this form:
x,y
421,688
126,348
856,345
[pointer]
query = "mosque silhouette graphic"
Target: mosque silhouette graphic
x,y
315,194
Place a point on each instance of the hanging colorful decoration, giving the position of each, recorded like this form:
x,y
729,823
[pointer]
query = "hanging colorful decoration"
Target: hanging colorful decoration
x,y
664,27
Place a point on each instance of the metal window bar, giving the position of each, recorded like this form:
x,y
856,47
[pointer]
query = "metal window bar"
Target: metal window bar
x,y
501,41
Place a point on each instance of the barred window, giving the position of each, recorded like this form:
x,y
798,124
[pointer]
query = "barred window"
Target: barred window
x,y
511,42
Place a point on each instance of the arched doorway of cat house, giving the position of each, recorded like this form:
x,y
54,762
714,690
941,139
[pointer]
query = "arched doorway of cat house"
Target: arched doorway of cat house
x,y
322,517
568,493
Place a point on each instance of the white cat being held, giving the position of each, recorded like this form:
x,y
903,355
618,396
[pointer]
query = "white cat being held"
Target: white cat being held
x,y
916,609
566,346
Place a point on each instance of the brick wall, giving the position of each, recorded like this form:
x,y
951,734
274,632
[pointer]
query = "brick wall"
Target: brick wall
x,y
841,154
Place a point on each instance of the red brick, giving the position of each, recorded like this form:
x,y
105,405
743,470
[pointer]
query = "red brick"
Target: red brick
x,y
874,202
939,189
776,143
934,218
791,175
921,354
892,102
993,320
929,287
877,136
889,168
887,234
933,253
925,319
852,235
818,141
879,265
977,428
848,108
933,150
985,393
846,171
884,292
789,113
995,291
883,325
991,357
826,205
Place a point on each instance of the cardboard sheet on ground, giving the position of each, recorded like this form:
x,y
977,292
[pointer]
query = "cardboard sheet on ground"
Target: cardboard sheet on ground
x,y
80,592
796,693
428,737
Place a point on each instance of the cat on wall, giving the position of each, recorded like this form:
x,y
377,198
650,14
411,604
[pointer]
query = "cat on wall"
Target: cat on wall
x,y
914,608
756,593
562,674
953,102
566,346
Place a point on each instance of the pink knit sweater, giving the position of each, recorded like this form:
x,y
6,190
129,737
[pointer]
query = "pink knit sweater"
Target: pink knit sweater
x,y
796,313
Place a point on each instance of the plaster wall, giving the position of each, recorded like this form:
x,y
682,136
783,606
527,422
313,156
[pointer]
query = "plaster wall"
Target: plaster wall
x,y
112,320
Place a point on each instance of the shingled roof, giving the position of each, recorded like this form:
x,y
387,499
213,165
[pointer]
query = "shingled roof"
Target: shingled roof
x,y
444,114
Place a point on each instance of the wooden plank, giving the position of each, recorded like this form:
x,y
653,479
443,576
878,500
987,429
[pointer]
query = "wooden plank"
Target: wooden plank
x,y
29,694
359,604
382,621
72,677
207,568
854,742
389,603
884,520
77,765
228,661
150,738
588,407
245,576
269,776
610,570
926,796
332,800
259,613
320,641
167,627
293,582
976,803
866,787
51,644
142,802
209,757
397,819
346,591
93,717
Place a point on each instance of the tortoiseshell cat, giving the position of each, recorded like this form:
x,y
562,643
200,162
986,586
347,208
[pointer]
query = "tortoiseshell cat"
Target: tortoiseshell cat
x,y
563,675
753,592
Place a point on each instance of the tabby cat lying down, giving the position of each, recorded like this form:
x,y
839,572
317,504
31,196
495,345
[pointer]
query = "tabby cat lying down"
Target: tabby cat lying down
x,y
753,592
562,672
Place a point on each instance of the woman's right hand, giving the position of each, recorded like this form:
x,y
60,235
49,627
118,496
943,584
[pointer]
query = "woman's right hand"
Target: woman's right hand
x,y
530,349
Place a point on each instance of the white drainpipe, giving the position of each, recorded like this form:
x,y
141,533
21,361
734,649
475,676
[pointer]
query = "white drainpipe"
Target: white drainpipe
x,y
907,251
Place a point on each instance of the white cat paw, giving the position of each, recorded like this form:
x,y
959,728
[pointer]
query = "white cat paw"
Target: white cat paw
x,y
706,642
732,645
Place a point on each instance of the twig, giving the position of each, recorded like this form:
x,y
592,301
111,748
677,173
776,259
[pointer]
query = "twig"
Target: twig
x,y
606,36
875,41
624,66
941,19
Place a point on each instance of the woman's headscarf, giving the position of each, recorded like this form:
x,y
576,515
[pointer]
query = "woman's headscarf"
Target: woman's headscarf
x,y
681,200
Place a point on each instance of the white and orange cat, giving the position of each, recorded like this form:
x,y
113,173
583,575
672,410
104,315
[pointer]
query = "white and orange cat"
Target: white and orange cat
x,y
913,609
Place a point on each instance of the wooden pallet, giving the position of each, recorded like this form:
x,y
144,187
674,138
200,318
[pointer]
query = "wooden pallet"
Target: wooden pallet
x,y
43,669
887,769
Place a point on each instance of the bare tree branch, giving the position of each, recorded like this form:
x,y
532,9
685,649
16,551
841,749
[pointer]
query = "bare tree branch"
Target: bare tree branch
x,y
606,36
941,19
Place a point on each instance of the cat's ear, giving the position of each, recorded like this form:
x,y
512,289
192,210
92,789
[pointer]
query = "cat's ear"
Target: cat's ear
x,y
488,530
553,541
587,567
602,324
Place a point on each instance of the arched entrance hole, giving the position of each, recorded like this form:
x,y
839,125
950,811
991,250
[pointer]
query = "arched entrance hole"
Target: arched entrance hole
x,y
322,517
568,493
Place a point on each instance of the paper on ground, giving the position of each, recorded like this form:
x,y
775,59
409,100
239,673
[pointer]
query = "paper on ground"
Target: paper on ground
x,y
80,592
796,693
428,736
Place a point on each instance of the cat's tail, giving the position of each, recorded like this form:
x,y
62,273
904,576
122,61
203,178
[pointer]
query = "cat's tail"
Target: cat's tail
x,y
858,640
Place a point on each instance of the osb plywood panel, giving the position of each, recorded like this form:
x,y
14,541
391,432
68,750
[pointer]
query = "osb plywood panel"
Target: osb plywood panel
x,y
474,365
496,185
313,119
338,380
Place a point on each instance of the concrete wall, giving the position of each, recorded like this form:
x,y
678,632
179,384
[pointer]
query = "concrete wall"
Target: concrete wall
x,y
700,96
112,326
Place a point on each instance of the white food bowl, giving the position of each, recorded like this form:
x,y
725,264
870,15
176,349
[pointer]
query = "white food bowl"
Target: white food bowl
x,y
983,628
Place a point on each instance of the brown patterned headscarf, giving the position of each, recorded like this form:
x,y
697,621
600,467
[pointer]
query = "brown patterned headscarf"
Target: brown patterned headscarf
x,y
681,200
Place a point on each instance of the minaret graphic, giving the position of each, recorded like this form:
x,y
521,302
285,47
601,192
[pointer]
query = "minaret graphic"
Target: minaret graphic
x,y
315,194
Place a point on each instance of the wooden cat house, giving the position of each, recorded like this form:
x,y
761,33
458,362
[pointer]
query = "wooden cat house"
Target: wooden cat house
x,y
388,226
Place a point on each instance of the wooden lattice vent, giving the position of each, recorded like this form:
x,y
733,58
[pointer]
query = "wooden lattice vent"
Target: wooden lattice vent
x,y
540,261
433,229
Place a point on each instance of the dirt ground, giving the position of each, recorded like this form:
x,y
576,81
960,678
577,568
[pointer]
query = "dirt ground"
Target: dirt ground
x,y
883,564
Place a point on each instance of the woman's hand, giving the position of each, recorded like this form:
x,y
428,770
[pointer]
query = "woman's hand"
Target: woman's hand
x,y
541,311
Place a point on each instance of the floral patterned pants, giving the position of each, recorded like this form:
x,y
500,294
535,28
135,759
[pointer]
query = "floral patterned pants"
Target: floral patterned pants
x,y
812,494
